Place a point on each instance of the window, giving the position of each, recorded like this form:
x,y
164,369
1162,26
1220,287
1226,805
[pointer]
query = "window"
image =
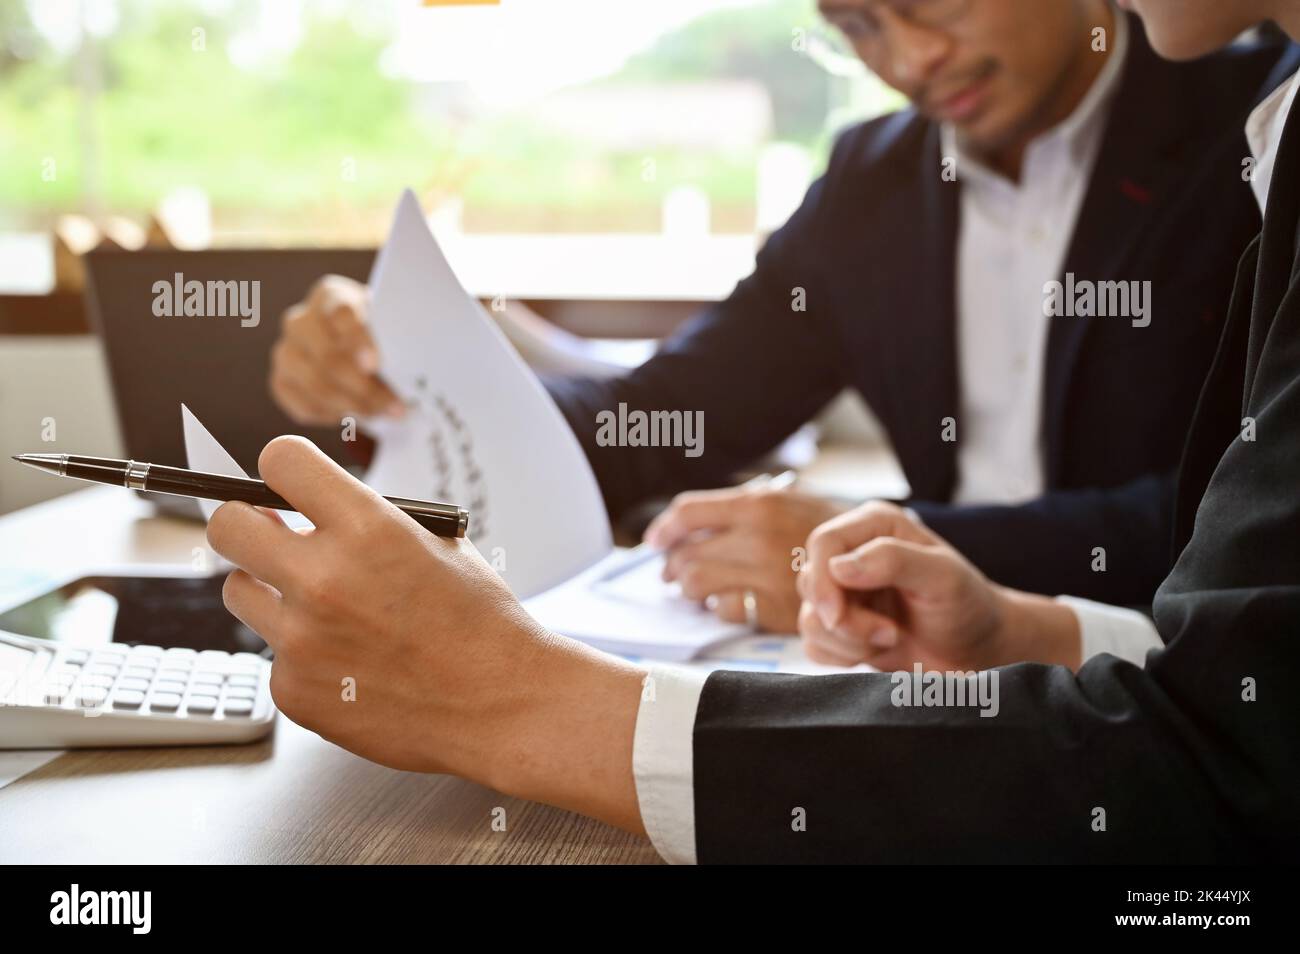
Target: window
x,y
283,122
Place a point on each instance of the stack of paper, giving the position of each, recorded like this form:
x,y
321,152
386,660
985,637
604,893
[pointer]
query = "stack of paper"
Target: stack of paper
x,y
628,609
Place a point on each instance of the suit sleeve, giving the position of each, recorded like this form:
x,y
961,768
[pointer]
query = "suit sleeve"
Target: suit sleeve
x,y
1049,545
1195,758
755,368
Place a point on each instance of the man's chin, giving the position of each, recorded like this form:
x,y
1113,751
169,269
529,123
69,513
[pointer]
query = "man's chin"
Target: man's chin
x,y
986,133
990,127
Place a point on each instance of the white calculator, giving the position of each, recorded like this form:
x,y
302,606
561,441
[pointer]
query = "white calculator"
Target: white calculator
x,y
54,697
65,682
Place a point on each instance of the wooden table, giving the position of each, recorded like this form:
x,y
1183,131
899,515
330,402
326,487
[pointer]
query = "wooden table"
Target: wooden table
x,y
291,798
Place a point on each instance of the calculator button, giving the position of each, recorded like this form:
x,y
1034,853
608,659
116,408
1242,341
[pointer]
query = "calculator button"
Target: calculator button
x,y
137,672
241,692
55,695
135,685
173,675
97,681
91,696
164,701
237,707
146,651
248,659
179,657
127,699
242,681
76,656
103,669
166,685
202,705
214,656
208,678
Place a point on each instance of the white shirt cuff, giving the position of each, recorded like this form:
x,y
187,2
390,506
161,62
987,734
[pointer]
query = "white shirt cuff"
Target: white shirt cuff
x,y
1110,629
663,759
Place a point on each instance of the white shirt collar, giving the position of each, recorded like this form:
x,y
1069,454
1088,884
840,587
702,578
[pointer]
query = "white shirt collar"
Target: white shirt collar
x,y
1080,130
1264,133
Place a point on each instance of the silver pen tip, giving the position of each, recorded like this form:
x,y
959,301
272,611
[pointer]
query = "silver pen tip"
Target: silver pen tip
x,y
52,462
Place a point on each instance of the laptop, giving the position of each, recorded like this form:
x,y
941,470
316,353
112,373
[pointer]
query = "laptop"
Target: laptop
x,y
217,362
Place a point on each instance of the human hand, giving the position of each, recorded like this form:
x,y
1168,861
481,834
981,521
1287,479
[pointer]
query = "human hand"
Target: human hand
x,y
880,587
324,365
408,649
722,543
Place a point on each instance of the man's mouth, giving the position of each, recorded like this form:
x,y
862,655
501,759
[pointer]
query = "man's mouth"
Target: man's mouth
x,y
965,101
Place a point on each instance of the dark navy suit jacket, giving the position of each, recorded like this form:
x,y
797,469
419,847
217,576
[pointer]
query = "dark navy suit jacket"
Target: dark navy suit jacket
x,y
873,247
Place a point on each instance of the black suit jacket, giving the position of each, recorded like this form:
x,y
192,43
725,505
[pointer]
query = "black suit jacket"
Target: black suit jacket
x,y
1195,758
873,247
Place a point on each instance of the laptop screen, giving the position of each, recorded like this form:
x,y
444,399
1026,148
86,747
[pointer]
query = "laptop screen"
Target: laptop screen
x,y
198,328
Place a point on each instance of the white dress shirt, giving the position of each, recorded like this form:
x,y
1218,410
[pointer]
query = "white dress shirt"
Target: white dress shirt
x,y
663,754
1013,238
1264,134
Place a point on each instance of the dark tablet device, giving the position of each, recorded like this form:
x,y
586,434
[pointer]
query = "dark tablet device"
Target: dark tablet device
x,y
166,611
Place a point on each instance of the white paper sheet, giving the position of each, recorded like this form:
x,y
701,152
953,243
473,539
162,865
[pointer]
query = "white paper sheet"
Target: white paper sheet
x,y
632,613
549,349
15,763
480,431
764,653
204,453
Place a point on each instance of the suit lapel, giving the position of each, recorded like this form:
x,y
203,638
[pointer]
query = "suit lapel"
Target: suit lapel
x,y
1130,179
928,353
1277,246
1264,278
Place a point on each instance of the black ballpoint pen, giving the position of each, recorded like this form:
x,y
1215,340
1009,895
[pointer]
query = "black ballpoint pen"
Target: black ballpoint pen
x,y
445,520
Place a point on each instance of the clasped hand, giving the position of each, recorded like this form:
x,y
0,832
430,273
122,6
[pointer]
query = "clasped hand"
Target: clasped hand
x,y
881,588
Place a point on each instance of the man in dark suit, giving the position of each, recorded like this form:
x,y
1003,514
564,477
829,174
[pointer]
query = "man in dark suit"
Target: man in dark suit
x,y
1045,142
